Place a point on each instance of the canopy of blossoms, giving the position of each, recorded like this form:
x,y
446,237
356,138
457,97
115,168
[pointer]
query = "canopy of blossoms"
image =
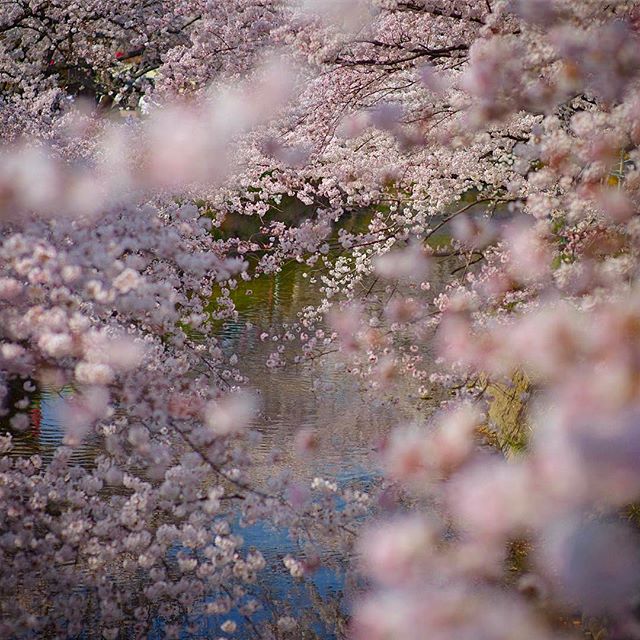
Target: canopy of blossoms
x,y
494,140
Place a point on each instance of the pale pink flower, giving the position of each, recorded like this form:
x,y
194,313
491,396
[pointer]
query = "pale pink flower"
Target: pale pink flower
x,y
231,414
94,373
398,551
127,281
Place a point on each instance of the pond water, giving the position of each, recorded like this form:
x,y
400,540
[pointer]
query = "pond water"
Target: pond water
x,y
349,426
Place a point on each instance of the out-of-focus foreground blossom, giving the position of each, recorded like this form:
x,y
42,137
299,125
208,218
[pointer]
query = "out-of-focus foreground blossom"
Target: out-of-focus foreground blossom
x,y
461,179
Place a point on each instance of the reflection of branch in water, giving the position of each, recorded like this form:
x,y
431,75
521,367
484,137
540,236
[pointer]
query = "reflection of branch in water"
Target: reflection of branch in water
x,y
329,610
320,618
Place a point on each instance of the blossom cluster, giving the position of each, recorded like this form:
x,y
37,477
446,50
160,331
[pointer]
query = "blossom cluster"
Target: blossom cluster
x,y
461,179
